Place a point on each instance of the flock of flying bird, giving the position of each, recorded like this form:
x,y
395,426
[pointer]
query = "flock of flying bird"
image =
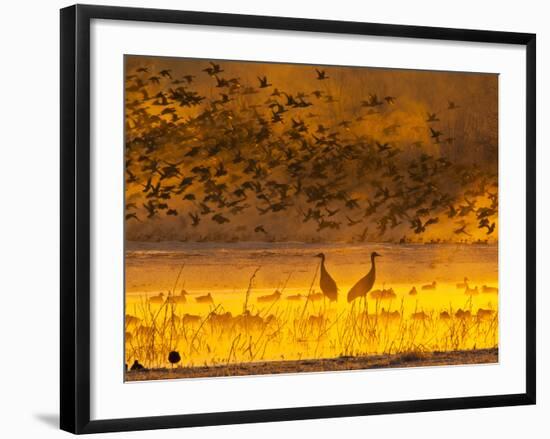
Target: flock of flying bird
x,y
251,152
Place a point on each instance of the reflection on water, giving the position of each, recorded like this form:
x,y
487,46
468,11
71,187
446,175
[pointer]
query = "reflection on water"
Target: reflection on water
x,y
224,330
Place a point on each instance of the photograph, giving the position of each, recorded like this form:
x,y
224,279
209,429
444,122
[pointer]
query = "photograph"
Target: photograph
x,y
286,218
266,220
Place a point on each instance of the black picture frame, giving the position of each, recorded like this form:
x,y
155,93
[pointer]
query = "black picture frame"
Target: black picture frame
x,y
75,217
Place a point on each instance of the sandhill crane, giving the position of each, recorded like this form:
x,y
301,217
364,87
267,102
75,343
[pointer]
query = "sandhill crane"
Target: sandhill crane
x,y
205,299
431,286
364,285
158,299
420,315
250,321
130,320
462,285
326,282
190,319
389,315
461,314
222,319
316,321
177,299
484,314
315,297
383,294
270,297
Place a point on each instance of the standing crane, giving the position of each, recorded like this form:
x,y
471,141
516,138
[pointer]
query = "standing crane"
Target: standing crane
x,y
326,282
364,285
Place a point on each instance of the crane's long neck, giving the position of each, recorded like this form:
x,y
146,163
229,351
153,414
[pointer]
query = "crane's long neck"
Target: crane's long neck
x,y
373,266
322,264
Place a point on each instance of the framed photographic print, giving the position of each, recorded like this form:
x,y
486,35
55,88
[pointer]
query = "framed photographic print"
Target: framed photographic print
x,y
284,218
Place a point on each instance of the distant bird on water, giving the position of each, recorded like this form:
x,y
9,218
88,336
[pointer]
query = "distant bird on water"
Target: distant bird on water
x,y
326,282
364,285
205,299
431,286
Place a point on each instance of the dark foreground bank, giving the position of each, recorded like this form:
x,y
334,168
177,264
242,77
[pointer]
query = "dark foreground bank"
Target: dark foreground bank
x,y
413,359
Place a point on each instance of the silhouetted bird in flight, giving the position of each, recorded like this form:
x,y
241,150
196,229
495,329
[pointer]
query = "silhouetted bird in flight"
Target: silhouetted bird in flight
x,y
195,218
452,106
363,236
263,82
132,215
214,70
434,134
383,146
321,74
462,230
432,117
260,229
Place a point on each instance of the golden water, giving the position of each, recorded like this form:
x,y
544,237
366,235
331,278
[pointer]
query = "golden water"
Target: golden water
x,y
205,334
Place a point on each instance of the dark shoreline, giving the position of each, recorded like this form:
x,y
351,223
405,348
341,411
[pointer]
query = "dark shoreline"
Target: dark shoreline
x,y
413,359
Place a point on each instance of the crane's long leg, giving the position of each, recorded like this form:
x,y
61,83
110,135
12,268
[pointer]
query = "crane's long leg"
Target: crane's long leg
x,y
365,319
